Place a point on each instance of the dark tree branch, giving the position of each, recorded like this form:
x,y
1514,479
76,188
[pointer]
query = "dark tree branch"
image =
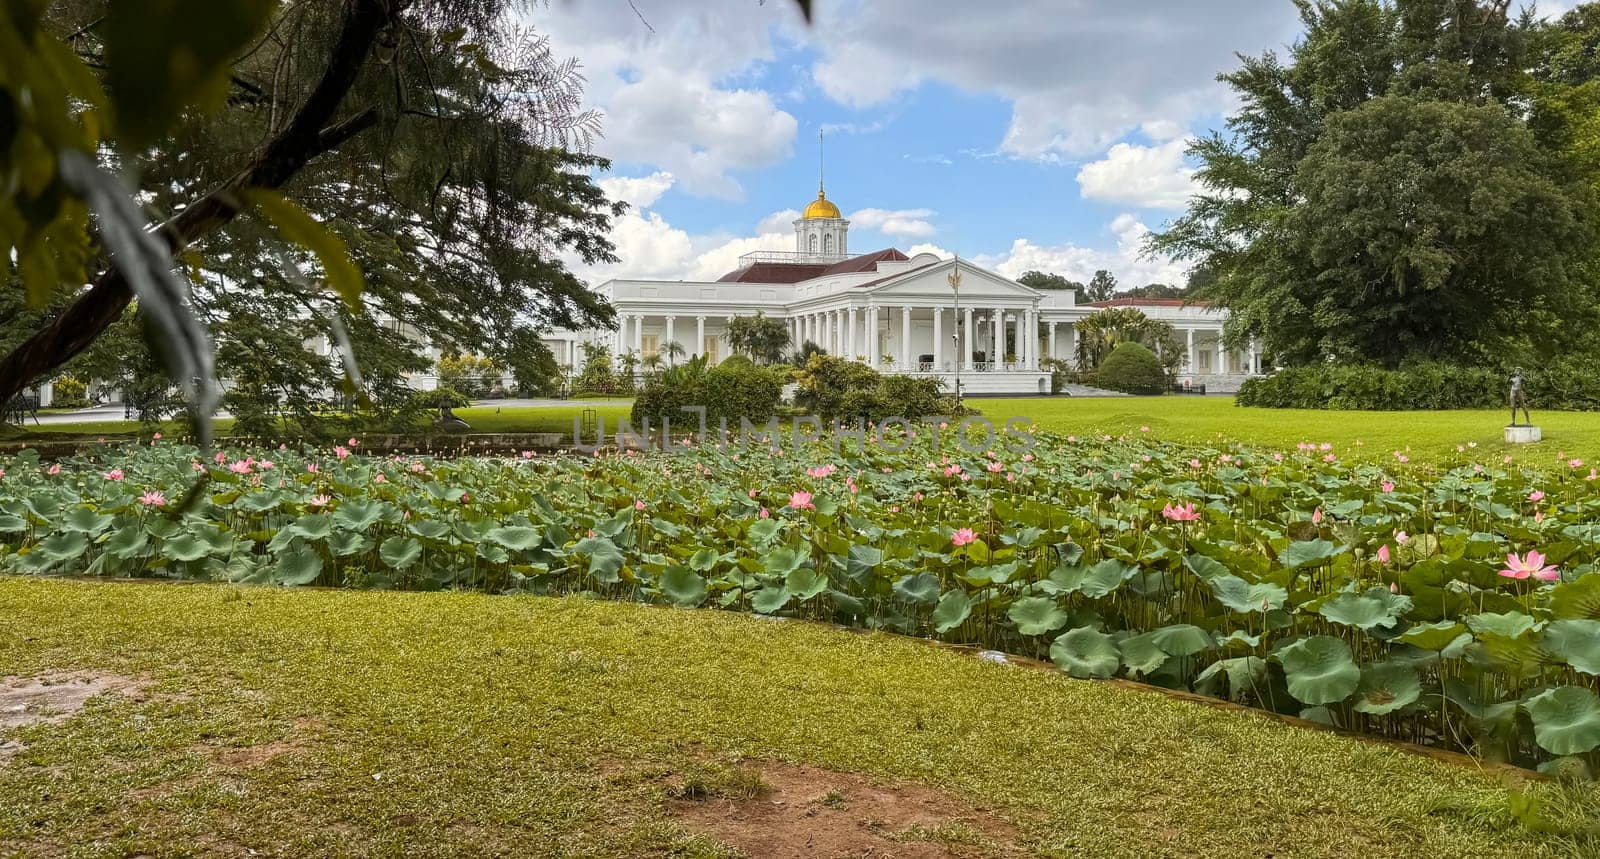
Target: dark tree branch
x,y
307,135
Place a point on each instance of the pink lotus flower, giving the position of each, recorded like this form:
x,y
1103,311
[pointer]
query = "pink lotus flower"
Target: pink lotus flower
x,y
1394,587
1194,463
311,468
156,437
1144,429
764,514
1184,513
820,471
55,468
966,478
638,505
418,468
1530,565
1536,496
894,508
1330,458
1316,516
319,500
341,451
1387,486
1402,537
265,465
1383,554
801,500
114,474
752,493
379,478
352,442
239,467
1574,463
220,457
963,537
995,468
153,498
916,496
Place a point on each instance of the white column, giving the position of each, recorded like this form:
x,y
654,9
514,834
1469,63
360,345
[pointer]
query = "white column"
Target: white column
x,y
872,336
1030,340
938,339
905,338
999,337
638,334
836,329
967,342
667,338
1052,347
1192,366
1255,357
622,331
699,336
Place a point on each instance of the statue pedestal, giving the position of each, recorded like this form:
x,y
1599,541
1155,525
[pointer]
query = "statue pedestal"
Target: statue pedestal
x,y
1523,434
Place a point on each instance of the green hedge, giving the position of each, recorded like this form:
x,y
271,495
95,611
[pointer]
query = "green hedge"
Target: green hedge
x,y
1562,386
733,389
1132,369
831,387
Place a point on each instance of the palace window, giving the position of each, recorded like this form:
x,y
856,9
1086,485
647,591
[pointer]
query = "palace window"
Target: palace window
x,y
827,243
812,244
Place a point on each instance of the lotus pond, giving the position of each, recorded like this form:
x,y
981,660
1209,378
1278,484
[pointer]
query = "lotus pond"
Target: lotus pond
x,y
1455,605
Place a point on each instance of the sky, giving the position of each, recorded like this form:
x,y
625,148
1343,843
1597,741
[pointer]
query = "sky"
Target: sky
x,y
1021,134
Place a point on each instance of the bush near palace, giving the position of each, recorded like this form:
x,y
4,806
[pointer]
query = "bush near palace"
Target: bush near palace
x,y
1132,369
832,388
733,389
1570,385
1457,606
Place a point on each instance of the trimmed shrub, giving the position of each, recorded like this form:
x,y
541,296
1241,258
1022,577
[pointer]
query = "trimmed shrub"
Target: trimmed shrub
x,y
1132,369
831,388
1566,386
733,389
69,393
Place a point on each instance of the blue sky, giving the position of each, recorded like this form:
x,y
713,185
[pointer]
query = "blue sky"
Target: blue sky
x,y
1022,134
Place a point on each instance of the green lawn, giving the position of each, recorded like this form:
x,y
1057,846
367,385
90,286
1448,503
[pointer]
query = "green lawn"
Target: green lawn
x,y
320,723
1428,435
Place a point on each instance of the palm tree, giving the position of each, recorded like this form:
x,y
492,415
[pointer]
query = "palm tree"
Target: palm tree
x,y
673,350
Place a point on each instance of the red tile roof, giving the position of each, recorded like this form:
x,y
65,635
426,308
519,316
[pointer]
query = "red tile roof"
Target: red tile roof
x,y
794,272
1148,302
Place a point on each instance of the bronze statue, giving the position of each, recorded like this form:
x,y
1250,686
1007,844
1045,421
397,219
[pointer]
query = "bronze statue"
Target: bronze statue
x,y
1518,399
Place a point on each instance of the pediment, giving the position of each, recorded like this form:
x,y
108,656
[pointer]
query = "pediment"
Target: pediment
x,y
934,280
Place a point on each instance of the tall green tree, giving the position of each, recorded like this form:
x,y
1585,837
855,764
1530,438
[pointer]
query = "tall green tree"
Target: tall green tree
x,y
1102,287
409,171
1379,195
761,338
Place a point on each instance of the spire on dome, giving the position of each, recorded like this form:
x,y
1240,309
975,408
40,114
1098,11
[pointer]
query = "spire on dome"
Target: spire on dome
x,y
821,207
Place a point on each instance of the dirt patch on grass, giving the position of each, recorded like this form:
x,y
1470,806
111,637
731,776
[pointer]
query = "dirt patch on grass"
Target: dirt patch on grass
x,y
50,698
780,810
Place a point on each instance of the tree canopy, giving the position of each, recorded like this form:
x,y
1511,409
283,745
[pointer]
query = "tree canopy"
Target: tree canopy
x,y
1385,193
414,172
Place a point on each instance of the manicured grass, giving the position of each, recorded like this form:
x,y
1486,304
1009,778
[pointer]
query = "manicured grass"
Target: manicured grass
x,y
1425,436
305,722
1429,436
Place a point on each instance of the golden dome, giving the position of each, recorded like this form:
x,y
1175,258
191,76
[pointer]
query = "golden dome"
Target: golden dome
x,y
820,208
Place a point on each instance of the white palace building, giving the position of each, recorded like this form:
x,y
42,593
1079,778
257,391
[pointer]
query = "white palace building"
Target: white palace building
x,y
918,315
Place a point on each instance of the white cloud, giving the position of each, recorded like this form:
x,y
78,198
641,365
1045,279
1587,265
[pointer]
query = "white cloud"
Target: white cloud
x,y
928,248
1145,176
668,87
640,192
1081,74
1079,263
900,223
698,132
650,248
